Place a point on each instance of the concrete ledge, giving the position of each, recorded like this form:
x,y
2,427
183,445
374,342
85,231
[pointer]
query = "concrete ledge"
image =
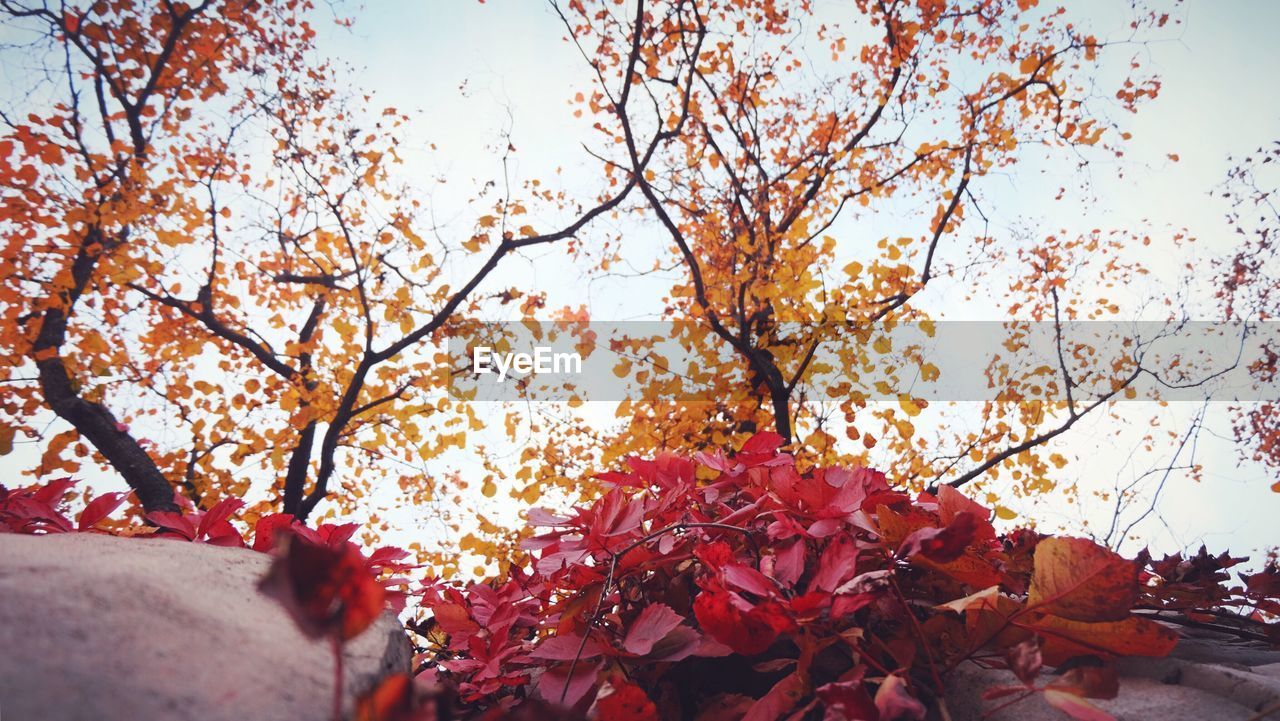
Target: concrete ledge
x,y
99,628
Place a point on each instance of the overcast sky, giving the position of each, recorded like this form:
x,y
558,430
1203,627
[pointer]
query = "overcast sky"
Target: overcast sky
x,y
474,70
467,72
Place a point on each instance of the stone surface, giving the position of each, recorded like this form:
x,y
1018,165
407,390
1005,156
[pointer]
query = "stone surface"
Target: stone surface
x,y
95,627
1207,677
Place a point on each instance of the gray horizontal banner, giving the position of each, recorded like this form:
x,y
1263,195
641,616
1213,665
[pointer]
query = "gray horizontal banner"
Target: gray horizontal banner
x,y
1081,362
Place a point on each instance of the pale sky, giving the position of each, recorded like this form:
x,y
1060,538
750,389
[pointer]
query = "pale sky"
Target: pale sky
x,y
468,71
474,70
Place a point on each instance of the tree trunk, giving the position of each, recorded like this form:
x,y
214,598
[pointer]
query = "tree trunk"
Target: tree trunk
x,y
92,420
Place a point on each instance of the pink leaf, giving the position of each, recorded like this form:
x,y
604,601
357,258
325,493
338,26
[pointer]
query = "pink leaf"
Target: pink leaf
x,y
567,648
837,564
781,698
225,535
558,687
1075,706
788,563
681,643
895,701
748,579
653,623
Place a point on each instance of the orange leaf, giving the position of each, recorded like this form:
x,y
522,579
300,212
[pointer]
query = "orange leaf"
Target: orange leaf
x,y
391,699
1134,636
1077,579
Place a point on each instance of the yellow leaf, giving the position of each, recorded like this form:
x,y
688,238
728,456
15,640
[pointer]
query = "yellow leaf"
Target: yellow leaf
x,y
910,406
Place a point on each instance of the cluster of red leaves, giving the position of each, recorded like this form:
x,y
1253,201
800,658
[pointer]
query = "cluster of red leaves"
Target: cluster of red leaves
x,y
742,587
41,509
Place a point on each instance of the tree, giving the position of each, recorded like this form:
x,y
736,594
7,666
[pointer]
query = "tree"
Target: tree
x,y
782,155
203,229
1248,289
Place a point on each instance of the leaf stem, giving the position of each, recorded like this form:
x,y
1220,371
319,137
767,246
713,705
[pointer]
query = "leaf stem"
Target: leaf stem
x,y
336,645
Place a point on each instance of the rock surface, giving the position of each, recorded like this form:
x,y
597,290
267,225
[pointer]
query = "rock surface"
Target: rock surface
x,y
95,627
1208,677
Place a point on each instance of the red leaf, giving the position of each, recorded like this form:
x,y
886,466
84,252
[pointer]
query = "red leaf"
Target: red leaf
x,y
225,535
847,700
678,645
788,564
456,621
99,508
747,633
176,523
267,528
567,648
1265,583
941,545
329,591
763,442
650,627
336,534
628,702
390,700
217,515
951,503
837,564
52,492
844,605
748,579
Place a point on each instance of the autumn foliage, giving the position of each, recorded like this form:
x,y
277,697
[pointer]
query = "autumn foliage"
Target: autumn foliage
x,y
214,260
740,586
219,286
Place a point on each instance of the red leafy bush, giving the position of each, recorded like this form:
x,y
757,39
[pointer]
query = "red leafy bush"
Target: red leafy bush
x,y
743,587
